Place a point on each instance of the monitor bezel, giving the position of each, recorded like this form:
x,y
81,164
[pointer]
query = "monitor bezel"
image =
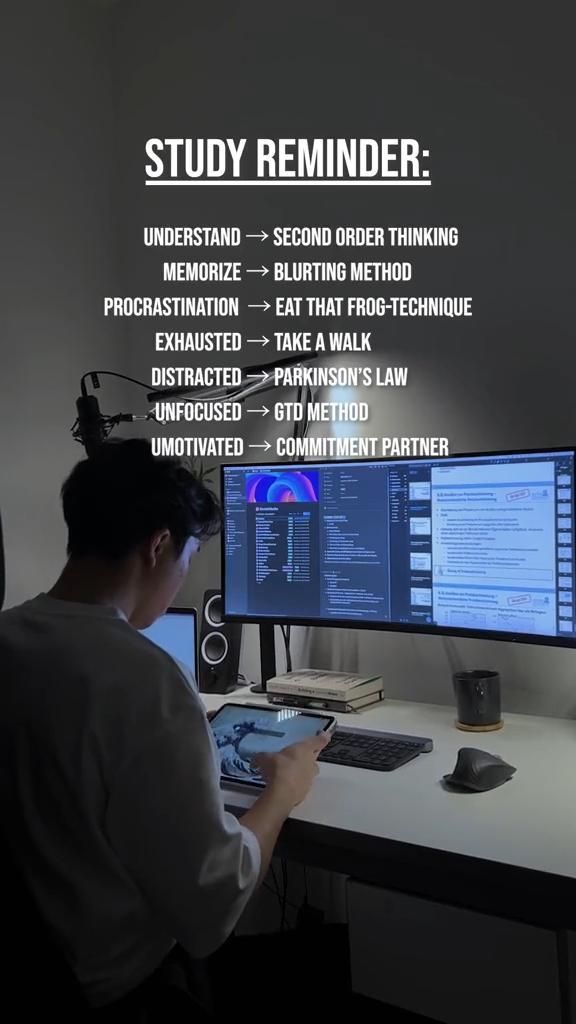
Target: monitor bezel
x,y
179,610
541,640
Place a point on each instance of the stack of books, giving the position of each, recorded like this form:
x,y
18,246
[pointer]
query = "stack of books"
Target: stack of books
x,y
325,691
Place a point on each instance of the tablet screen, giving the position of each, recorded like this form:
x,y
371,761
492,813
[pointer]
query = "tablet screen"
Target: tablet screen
x,y
242,731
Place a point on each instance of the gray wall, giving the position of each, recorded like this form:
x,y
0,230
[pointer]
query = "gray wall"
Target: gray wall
x,y
57,260
492,101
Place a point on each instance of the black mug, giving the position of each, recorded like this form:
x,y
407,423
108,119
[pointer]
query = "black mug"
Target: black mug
x,y
478,700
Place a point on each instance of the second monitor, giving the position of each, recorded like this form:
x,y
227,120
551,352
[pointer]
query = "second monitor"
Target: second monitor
x,y
476,545
175,632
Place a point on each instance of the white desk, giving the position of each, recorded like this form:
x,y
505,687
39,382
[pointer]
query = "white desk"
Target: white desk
x,y
446,887
529,823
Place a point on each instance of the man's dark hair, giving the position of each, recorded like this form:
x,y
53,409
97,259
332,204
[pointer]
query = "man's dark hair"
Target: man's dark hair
x,y
122,494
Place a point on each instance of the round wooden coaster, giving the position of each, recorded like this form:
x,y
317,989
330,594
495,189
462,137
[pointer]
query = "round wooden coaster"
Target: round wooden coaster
x,y
479,728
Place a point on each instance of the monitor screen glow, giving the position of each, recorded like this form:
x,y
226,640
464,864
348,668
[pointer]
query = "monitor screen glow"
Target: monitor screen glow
x,y
175,632
475,545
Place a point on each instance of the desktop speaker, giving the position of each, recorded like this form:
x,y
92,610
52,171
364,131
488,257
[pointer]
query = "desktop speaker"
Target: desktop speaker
x,y
219,647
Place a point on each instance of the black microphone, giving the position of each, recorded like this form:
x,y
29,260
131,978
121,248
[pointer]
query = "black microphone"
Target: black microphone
x,y
91,423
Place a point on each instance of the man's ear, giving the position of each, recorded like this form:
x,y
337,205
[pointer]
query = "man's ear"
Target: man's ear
x,y
157,547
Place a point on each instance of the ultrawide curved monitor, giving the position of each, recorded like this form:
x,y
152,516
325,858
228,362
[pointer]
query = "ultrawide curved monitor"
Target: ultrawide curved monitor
x,y
469,545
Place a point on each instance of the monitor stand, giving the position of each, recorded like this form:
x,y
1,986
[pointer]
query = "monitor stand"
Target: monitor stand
x,y
267,657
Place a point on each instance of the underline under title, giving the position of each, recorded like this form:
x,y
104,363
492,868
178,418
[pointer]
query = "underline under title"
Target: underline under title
x,y
177,161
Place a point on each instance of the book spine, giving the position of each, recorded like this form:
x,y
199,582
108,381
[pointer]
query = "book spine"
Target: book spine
x,y
317,694
306,691
317,704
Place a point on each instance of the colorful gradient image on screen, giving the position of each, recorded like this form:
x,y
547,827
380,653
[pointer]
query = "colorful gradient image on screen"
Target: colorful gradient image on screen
x,y
283,486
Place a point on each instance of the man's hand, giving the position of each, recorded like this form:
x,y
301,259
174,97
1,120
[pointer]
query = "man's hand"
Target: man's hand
x,y
289,774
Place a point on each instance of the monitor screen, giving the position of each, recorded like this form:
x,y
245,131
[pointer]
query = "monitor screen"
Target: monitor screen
x,y
477,545
175,632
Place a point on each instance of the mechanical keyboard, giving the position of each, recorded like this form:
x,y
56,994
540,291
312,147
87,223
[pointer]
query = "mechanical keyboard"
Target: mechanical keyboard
x,y
378,751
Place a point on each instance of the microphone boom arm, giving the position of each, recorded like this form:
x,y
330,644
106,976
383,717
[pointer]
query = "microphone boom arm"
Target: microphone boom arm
x,y
245,388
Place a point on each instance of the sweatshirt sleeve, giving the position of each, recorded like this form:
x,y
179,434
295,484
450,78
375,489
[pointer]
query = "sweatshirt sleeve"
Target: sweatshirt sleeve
x,y
195,864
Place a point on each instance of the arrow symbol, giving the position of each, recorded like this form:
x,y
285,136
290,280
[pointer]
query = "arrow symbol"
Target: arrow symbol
x,y
266,446
258,376
259,305
263,410
259,341
262,236
259,270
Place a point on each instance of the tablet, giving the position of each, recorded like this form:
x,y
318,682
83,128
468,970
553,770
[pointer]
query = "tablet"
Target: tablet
x,y
243,730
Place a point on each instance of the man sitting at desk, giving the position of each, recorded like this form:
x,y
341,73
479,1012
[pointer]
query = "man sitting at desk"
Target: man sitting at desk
x,y
110,790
